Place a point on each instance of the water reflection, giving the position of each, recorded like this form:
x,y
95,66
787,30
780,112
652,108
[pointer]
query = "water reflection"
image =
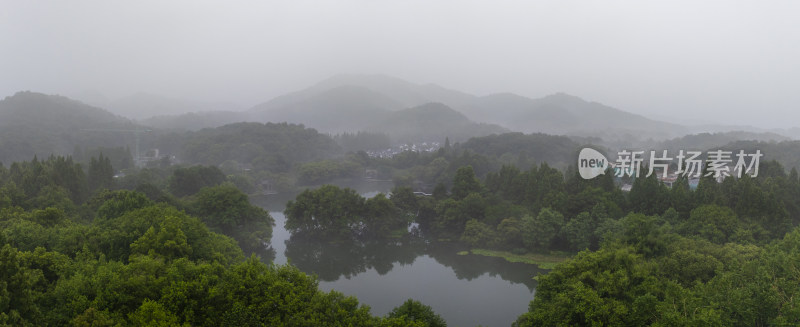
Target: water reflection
x,y
333,260
473,266
466,290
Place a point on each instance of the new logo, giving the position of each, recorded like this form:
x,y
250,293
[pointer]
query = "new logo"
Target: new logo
x,y
591,163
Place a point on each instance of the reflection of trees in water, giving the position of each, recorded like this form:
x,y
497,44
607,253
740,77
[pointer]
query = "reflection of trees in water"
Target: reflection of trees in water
x,y
473,266
332,260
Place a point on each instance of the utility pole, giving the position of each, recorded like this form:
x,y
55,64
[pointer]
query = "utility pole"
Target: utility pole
x,y
137,134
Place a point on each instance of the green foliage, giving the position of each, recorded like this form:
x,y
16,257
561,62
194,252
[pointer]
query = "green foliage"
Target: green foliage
x,y
652,277
465,183
55,181
267,147
117,203
318,172
150,265
334,213
227,208
477,234
540,147
151,313
649,196
414,311
101,174
351,142
579,231
17,290
540,230
188,181
711,222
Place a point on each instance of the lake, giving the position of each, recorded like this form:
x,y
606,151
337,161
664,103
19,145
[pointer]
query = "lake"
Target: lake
x,y
465,290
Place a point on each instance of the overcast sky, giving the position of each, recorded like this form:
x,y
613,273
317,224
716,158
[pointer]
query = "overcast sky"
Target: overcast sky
x,y
733,62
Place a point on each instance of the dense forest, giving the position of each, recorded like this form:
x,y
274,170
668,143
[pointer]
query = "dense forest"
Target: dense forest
x,y
723,254
83,255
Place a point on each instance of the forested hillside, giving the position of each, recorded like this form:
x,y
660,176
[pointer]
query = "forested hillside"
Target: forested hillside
x,y
38,124
70,255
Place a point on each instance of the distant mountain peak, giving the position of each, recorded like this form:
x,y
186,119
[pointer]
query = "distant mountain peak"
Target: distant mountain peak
x,y
564,98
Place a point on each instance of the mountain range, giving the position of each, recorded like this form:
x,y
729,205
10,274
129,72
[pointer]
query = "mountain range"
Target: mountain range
x,y
34,123
348,101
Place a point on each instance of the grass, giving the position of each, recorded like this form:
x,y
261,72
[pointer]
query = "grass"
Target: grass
x,y
544,261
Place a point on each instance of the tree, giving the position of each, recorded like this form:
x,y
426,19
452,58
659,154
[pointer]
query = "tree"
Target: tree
x,y
226,208
101,174
578,232
649,196
414,311
328,211
712,222
465,183
404,199
151,313
477,234
509,234
539,231
168,241
188,181
440,191
381,217
17,292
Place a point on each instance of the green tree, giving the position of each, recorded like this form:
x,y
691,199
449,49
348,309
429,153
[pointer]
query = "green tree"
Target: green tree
x,y
414,311
578,231
227,208
188,181
712,222
151,313
328,211
539,231
477,234
465,183
101,174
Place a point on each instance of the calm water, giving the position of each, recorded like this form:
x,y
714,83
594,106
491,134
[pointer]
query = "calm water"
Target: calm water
x,y
465,290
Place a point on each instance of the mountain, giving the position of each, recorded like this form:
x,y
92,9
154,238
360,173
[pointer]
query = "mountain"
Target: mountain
x,y
340,109
405,93
554,114
196,120
39,124
566,114
709,141
142,105
432,122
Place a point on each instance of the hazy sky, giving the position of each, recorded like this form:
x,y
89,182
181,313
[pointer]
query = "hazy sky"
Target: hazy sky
x,y
734,62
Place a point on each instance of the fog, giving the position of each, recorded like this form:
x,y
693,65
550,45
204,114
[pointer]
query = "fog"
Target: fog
x,y
725,62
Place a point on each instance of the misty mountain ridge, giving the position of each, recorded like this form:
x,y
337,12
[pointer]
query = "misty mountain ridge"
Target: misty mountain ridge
x,y
559,113
340,109
38,124
432,122
350,103
142,105
55,113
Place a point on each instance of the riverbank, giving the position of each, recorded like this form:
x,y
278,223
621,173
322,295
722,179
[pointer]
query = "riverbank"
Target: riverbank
x,y
543,261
